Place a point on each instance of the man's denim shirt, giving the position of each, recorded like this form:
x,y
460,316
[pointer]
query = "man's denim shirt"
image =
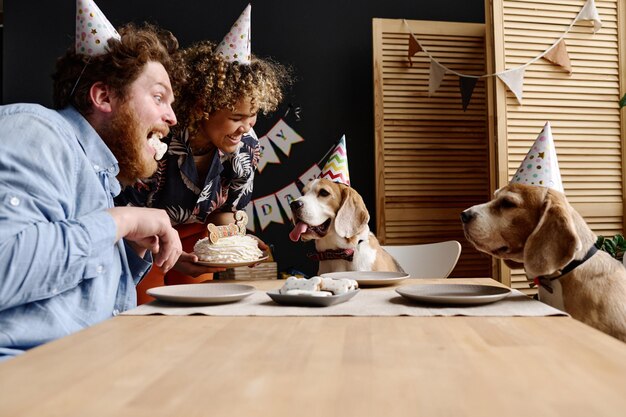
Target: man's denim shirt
x,y
60,268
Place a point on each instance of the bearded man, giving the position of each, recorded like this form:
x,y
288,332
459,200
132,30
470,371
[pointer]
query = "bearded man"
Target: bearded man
x,y
68,257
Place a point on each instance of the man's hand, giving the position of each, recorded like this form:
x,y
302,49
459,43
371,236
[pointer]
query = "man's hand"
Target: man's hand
x,y
148,229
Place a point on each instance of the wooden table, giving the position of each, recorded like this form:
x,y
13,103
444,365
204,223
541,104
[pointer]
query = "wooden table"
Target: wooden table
x,y
321,366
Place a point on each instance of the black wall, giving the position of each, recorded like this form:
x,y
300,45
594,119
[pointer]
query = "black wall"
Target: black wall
x,y
328,43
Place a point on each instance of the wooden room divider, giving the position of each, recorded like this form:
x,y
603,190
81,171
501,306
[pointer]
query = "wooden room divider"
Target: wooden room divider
x,y
433,160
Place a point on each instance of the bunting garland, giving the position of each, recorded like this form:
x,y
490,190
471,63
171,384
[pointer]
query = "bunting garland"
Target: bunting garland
x,y
513,78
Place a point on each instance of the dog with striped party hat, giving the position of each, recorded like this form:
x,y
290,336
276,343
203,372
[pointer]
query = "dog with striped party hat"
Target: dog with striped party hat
x,y
333,214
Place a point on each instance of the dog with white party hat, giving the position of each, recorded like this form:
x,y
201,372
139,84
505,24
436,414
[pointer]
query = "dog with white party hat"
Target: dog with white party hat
x,y
530,224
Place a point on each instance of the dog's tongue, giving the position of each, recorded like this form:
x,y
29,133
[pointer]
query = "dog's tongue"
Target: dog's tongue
x,y
297,231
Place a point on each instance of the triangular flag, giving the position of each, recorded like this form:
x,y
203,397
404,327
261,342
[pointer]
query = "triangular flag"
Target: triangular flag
x,y
435,77
236,44
540,166
589,12
267,155
514,79
336,167
250,212
268,211
467,85
414,47
283,136
93,29
558,55
286,196
310,174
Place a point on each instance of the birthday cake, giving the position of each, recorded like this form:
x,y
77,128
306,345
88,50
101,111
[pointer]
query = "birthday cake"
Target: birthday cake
x,y
229,249
229,243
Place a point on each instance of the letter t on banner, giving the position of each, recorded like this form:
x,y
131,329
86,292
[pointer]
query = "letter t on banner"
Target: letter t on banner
x,y
286,196
268,210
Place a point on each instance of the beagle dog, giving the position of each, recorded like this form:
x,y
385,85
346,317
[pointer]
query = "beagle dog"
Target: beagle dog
x,y
335,216
535,228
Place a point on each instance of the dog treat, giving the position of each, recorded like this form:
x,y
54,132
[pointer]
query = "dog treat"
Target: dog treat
x,y
306,284
228,244
338,286
307,292
155,141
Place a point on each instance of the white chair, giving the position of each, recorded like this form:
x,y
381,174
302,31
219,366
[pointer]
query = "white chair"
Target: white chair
x,y
431,260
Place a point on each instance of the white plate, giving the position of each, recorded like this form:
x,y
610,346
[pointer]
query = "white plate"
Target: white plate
x,y
370,278
454,294
310,300
228,265
203,293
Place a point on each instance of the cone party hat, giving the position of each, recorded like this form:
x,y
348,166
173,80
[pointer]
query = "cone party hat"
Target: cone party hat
x,y
236,44
540,166
336,167
93,29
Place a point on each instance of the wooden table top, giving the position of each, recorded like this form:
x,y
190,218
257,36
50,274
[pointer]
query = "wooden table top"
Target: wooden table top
x,y
326,366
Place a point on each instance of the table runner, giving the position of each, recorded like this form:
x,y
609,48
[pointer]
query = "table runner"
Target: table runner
x,y
366,303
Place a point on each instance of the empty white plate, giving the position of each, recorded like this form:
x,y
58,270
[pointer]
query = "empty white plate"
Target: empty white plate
x,y
370,278
454,294
203,293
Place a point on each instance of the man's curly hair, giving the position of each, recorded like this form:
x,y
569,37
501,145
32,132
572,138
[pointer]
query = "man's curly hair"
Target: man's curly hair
x,y
213,84
118,68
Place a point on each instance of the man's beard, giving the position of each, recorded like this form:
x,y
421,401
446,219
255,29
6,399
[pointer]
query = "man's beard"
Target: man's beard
x,y
126,139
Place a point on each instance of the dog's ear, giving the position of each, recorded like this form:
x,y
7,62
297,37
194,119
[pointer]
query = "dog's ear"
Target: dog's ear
x,y
513,265
554,241
352,216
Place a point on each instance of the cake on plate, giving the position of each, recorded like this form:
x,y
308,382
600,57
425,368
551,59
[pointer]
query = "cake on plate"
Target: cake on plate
x,y
228,244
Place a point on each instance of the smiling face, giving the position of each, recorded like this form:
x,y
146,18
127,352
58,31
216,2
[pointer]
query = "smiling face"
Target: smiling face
x,y
315,210
145,111
224,128
502,226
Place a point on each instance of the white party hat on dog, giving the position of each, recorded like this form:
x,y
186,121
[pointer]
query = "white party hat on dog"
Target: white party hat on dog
x,y
540,167
236,44
93,29
336,167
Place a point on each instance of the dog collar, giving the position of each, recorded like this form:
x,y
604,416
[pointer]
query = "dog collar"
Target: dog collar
x,y
330,254
546,281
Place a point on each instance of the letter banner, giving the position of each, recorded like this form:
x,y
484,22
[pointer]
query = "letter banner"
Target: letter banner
x,y
286,196
310,174
267,155
268,210
250,212
283,136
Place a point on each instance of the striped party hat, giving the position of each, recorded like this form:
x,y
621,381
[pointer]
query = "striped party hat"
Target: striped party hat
x,y
236,44
93,29
336,167
540,167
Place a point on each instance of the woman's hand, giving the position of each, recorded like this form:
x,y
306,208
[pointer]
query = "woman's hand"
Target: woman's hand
x,y
187,265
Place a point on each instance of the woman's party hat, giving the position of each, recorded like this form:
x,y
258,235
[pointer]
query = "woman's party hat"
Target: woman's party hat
x,y
93,29
540,167
236,44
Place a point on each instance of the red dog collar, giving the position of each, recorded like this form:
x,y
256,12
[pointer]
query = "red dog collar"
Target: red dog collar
x,y
330,254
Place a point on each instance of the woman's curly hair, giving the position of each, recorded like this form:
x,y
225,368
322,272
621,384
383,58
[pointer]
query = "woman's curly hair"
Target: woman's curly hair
x,y
213,84
118,68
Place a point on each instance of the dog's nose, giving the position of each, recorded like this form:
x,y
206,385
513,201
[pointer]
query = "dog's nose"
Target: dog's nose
x,y
466,216
295,205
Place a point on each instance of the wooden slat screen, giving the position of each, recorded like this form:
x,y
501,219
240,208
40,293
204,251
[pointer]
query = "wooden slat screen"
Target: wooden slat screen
x,y
582,108
432,158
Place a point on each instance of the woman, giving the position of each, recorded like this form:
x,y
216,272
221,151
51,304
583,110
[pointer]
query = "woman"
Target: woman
x,y
208,171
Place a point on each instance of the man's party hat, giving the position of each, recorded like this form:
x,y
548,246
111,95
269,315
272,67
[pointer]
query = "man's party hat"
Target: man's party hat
x,y
236,44
336,167
540,167
93,29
